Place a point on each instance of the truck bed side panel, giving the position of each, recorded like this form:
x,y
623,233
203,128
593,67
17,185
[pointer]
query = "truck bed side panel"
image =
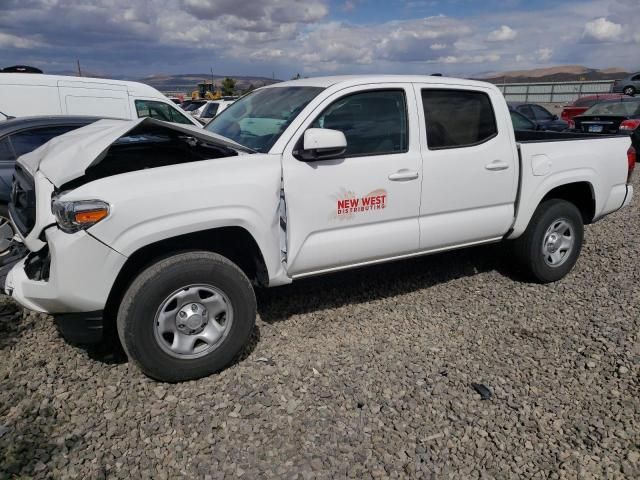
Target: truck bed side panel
x,y
601,162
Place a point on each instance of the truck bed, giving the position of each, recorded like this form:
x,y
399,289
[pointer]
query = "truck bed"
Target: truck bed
x,y
530,136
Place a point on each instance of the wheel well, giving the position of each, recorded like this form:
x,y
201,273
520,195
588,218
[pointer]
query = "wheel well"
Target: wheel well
x,y
234,243
580,194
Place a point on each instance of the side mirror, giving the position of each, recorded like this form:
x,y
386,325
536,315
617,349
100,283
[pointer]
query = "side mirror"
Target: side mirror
x,y
321,144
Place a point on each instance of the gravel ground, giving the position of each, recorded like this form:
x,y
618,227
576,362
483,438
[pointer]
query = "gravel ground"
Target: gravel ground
x,y
362,374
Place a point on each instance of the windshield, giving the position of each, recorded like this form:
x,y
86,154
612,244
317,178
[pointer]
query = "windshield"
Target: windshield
x,y
614,108
258,119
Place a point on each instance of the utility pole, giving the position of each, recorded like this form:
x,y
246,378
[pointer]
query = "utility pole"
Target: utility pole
x,y
79,71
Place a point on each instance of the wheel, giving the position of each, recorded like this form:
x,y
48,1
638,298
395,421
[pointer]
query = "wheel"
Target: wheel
x,y
631,91
551,244
6,230
187,316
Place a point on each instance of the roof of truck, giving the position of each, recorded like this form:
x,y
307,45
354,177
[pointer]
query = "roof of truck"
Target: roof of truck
x,y
349,80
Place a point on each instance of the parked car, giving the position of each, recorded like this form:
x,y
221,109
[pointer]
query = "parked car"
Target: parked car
x,y
539,115
629,85
520,122
210,109
27,94
582,104
163,229
612,117
17,137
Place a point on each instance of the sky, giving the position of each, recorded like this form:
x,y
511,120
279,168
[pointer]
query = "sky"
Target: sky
x,y
136,38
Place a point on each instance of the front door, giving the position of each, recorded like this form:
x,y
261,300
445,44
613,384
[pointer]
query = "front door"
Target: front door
x,y
363,207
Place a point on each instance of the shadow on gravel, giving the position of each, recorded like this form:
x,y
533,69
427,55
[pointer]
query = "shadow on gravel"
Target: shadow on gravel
x,y
11,323
383,281
110,351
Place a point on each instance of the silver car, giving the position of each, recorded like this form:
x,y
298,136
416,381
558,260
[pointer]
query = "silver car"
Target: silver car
x,y
629,85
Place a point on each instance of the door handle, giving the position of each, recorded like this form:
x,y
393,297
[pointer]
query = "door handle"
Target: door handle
x,y
403,175
497,165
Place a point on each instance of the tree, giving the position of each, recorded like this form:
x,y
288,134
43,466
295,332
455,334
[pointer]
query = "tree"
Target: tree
x,y
228,86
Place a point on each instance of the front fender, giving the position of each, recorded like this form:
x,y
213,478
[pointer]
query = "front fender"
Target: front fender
x,y
160,203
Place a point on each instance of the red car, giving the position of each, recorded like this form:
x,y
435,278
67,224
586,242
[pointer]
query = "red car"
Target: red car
x,y
582,104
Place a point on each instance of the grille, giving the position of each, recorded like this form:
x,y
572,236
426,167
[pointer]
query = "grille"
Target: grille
x,y
23,201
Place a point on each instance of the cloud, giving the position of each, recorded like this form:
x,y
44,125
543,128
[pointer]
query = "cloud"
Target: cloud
x,y
266,11
122,37
602,30
544,54
503,34
12,41
492,57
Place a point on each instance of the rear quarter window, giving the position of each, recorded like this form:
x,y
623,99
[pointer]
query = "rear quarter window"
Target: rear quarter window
x,y
457,118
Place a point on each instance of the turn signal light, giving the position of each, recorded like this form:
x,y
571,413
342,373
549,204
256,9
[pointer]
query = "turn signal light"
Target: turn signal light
x,y
91,216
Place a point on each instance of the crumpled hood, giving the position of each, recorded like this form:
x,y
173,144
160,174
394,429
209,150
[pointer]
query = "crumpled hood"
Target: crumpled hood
x,y
68,156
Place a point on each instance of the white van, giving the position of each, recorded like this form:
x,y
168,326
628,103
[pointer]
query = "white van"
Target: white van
x,y
25,94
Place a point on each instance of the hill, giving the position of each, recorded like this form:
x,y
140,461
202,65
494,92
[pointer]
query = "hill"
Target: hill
x,y
189,81
560,73
184,82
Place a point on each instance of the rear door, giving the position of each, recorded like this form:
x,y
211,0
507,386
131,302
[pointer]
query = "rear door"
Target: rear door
x,y
469,176
363,207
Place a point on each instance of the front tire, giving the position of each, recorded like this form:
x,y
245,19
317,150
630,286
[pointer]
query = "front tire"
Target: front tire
x,y
187,316
551,244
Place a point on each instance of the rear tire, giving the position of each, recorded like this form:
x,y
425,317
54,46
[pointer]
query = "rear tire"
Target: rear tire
x,y
551,244
631,91
187,316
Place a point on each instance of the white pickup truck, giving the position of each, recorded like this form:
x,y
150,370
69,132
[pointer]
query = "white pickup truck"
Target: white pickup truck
x,y
161,229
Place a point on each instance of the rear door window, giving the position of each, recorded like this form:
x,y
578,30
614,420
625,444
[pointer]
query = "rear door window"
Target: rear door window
x,y
457,118
28,140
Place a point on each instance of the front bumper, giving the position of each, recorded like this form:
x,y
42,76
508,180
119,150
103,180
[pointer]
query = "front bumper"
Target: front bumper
x,y
77,277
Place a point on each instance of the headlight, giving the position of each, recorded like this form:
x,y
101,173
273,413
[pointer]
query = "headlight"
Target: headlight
x,y
79,215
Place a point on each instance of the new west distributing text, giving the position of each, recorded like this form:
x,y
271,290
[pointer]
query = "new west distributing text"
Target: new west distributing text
x,y
362,204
